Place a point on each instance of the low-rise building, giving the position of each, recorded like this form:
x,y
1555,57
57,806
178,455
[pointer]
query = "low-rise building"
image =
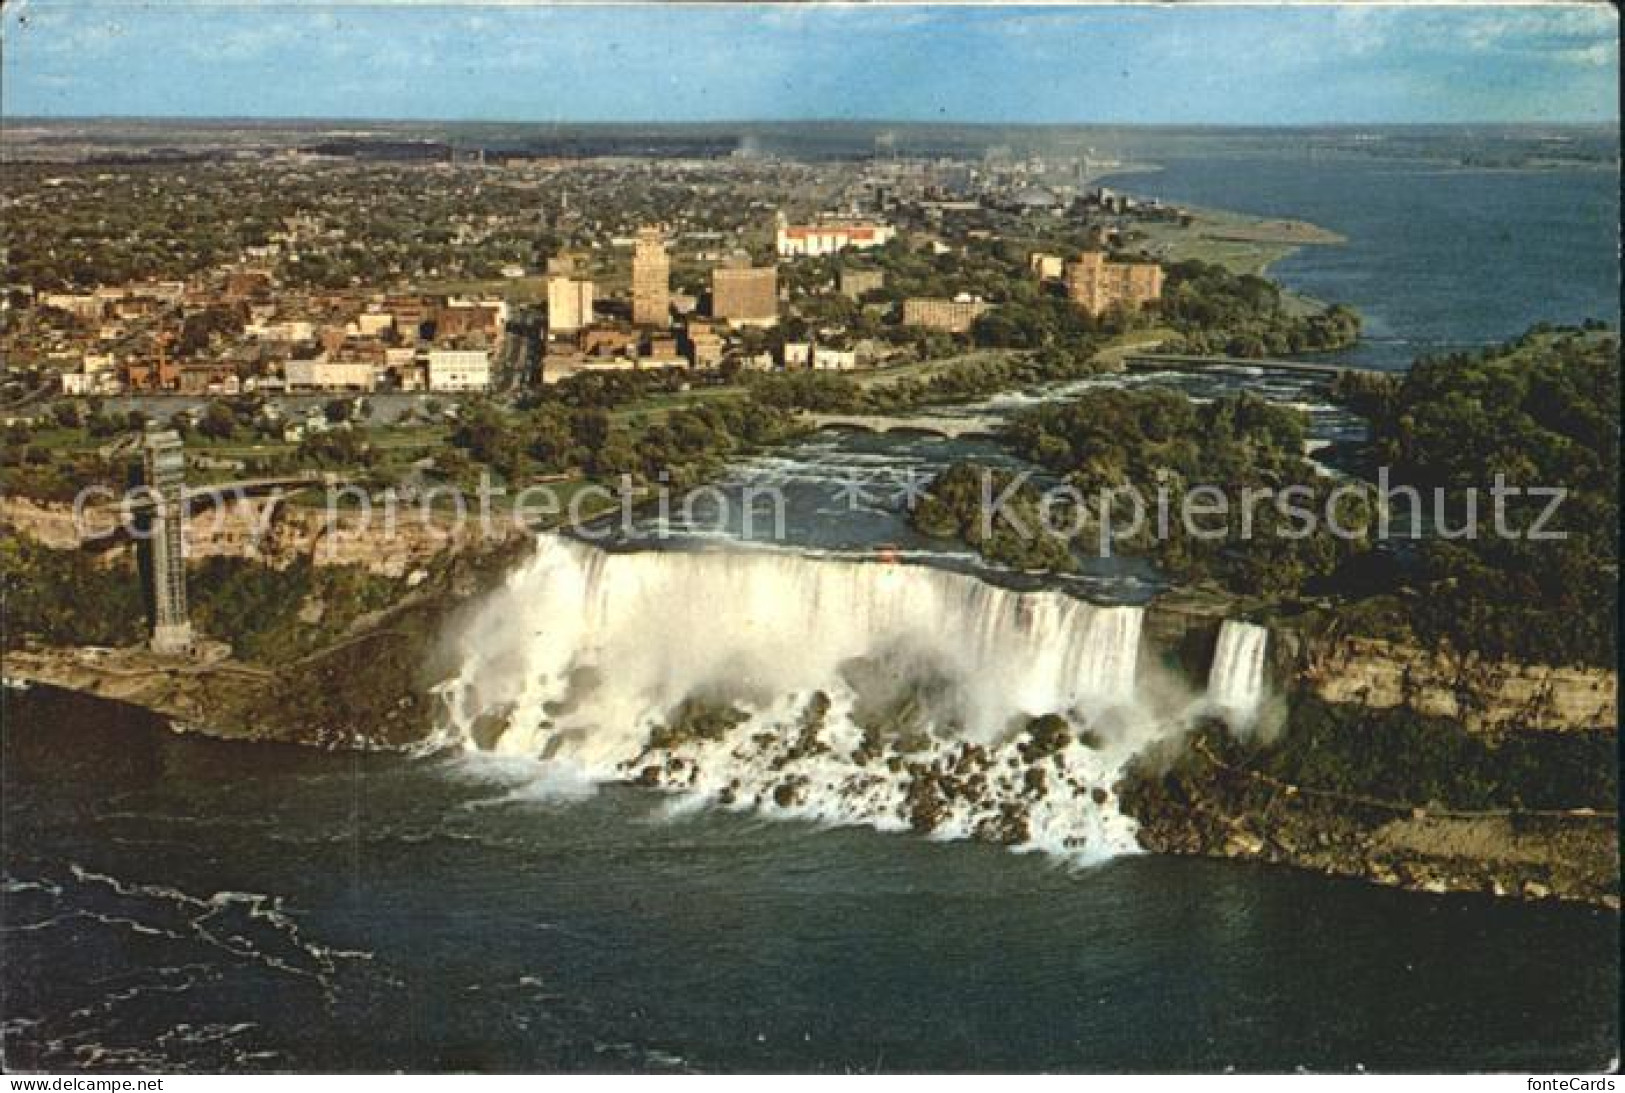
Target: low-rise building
x,y
1046,267
79,383
290,331
244,284
373,324
459,370
209,378
857,283
462,318
818,358
83,305
954,316
704,344
830,237
150,374
562,364
607,342
324,374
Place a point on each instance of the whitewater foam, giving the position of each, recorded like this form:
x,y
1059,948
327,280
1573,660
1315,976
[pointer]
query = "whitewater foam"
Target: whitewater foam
x,y
1236,680
831,690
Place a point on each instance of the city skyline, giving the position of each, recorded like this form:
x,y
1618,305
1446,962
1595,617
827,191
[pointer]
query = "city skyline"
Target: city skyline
x,y
589,64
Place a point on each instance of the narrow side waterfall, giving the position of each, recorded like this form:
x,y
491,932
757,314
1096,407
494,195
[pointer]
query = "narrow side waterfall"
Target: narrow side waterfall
x,y
892,695
1235,683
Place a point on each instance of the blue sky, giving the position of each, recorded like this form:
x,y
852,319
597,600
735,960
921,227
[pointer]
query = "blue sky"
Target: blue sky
x,y
1113,64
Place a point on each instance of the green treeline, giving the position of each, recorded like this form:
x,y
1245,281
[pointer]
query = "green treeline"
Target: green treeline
x,y
681,447
72,597
1162,445
69,597
274,615
1244,315
1350,750
1542,412
952,508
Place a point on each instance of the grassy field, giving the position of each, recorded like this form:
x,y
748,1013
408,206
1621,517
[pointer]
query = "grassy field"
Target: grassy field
x,y
1110,358
926,369
1241,244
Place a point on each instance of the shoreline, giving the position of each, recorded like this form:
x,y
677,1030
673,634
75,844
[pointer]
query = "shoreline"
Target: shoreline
x,y
372,692
1567,857
370,695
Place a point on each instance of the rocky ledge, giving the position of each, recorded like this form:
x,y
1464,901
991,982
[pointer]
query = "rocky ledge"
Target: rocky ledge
x,y
1196,804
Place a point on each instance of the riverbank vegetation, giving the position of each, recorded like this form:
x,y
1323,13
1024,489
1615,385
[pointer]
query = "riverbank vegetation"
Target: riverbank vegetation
x,y
1216,311
1165,448
952,508
267,615
680,447
48,595
272,616
1350,751
972,378
1541,413
1390,796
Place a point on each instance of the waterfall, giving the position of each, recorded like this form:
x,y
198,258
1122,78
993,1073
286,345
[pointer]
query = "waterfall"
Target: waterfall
x,y
585,657
1235,683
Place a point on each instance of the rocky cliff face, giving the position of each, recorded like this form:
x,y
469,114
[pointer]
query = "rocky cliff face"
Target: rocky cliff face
x,y
1483,696
49,524
277,533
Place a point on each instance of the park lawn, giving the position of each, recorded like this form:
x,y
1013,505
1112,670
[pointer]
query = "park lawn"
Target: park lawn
x,y
926,369
1111,355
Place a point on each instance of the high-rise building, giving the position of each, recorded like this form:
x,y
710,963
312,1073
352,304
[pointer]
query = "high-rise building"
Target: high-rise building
x,y
1095,282
164,469
569,304
745,295
651,279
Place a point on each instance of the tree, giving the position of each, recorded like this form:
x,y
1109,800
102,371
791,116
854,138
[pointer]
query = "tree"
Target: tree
x,y
218,422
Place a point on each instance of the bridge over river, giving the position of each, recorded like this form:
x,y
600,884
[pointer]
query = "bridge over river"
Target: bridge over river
x,y
950,428
1147,362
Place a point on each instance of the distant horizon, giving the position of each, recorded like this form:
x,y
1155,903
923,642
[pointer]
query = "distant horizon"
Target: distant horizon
x,y
1200,66
720,123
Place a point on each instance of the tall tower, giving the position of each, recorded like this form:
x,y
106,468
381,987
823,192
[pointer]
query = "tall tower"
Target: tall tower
x,y
651,279
164,469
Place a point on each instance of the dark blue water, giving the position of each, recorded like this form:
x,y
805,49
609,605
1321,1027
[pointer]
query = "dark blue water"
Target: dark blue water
x,y
174,902
1437,258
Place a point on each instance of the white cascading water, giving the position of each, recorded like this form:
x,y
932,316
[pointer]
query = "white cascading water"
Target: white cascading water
x,y
1235,683
583,653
